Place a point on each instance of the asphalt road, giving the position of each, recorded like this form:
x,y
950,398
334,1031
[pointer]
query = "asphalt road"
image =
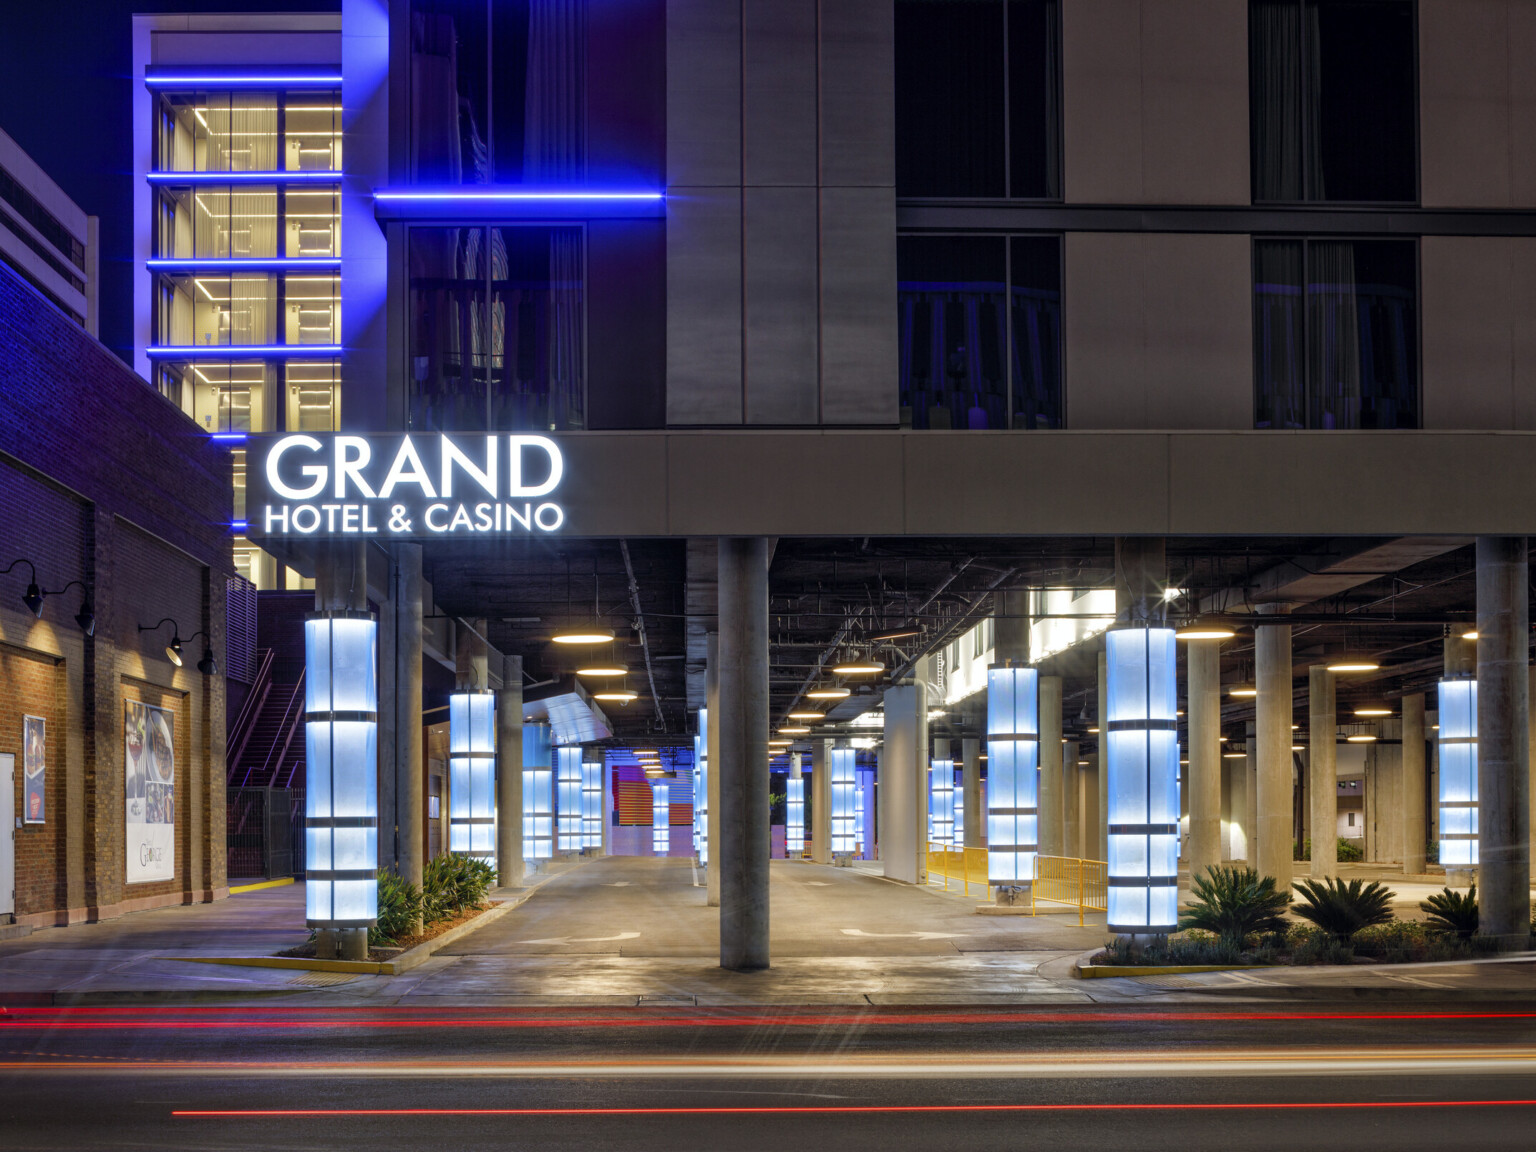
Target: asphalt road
x,y
1057,1077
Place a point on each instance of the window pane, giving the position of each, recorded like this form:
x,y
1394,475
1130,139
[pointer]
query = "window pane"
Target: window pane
x,y
1036,295
1362,318
314,390
1368,108
312,132
313,221
510,96
448,345
1033,84
450,112
1278,335
949,98
952,331
212,310
313,309
536,328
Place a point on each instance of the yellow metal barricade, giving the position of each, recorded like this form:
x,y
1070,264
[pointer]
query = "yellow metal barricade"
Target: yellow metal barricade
x,y
1080,884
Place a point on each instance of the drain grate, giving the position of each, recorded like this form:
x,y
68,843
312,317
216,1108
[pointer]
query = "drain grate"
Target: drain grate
x,y
322,979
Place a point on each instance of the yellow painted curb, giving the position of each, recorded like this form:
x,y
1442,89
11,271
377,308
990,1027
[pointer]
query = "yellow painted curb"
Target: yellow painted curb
x,y
303,963
1099,971
260,885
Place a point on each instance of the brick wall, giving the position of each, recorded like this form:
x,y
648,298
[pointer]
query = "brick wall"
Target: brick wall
x,y
32,684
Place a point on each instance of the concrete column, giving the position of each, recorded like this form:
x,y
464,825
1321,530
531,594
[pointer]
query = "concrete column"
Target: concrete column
x,y
1251,796
903,767
1071,802
1503,739
509,774
410,759
1092,814
1051,783
742,767
1101,775
712,750
970,784
1275,782
1322,769
821,801
1415,826
1203,671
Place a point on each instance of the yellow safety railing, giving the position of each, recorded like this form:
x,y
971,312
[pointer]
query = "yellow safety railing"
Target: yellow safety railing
x,y
1080,884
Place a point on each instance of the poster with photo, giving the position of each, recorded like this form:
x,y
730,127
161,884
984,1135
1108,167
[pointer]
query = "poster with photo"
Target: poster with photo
x,y
149,749
34,761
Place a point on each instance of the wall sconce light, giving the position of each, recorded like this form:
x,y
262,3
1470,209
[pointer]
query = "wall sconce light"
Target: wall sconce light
x,y
207,665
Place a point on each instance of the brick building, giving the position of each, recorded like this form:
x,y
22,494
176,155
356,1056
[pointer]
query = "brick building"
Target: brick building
x,y
107,487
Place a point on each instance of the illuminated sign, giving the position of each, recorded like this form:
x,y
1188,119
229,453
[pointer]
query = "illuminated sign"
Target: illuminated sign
x,y
432,486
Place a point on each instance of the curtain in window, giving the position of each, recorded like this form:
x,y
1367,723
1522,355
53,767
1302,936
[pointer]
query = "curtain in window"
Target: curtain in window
x,y
253,221
1279,332
210,222
554,142
566,394
251,309
449,345
1333,323
1285,82
253,132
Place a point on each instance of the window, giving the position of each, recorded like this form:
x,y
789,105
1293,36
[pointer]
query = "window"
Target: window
x,y
209,310
249,132
977,98
497,329
498,92
1335,327
980,331
312,307
1334,106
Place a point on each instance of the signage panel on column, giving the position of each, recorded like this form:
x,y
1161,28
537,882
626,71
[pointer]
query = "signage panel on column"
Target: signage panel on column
x,y
1013,756
472,774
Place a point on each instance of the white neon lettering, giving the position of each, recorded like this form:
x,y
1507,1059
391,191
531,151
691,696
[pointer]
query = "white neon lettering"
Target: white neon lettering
x,y
279,517
515,446
330,516
557,515
526,519
349,467
427,517
349,517
314,518
486,478
460,517
399,473
316,472
482,517
367,519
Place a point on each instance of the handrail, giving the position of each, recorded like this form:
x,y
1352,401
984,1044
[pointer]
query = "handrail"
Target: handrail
x,y
296,709
286,726
245,720
1080,884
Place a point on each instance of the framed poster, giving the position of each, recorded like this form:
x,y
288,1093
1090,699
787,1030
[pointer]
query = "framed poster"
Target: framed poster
x,y
149,792
34,760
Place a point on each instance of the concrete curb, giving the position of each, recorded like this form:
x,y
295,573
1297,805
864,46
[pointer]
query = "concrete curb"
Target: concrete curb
x,y
1101,971
261,885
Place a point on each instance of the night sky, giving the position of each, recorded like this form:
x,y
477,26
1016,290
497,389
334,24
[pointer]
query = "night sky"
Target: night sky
x,y
64,92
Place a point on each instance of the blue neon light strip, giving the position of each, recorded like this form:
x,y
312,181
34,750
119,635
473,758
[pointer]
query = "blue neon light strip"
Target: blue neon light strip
x,y
244,351
230,80
230,437
297,176
191,265
448,197
238,525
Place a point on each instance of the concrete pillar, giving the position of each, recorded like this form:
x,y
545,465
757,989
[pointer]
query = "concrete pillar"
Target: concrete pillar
x,y
1101,774
1415,826
1503,717
1092,815
712,751
1251,795
509,774
1071,802
1051,783
742,767
821,801
903,798
1275,780
970,784
410,759
1323,770
1203,674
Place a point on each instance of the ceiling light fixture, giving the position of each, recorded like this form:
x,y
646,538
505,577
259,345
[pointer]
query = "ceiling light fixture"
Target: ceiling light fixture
x,y
1205,629
1353,663
1373,710
1243,691
827,692
584,636
856,666
616,695
601,670
794,730
805,714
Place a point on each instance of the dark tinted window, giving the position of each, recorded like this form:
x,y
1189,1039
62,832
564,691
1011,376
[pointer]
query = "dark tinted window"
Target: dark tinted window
x,y
976,98
1334,110
980,331
1336,334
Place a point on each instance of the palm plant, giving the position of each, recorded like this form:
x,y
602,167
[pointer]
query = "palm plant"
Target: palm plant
x,y
1235,903
1341,908
1449,911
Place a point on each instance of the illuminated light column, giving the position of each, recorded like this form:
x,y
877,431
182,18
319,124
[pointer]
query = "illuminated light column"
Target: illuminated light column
x,y
701,790
859,795
1141,733
794,808
538,794
661,820
591,801
1458,779
472,774
958,789
341,889
941,796
1013,756
568,812
843,831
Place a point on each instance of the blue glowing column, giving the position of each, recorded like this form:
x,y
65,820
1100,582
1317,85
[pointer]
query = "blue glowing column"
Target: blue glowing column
x,y
661,820
341,744
1141,728
861,846
568,818
591,802
1013,755
844,832
1458,774
941,796
957,787
701,788
538,794
472,774
794,809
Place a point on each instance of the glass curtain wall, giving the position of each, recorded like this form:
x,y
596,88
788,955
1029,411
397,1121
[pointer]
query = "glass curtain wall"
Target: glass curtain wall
x,y
1335,334
980,331
497,329
978,98
249,132
1334,102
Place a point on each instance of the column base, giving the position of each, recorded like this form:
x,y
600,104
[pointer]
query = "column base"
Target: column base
x,y
1460,877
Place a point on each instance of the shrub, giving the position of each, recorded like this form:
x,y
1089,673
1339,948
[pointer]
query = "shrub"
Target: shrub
x,y
451,884
1350,851
1234,903
1452,912
1341,908
1321,948
1170,950
400,906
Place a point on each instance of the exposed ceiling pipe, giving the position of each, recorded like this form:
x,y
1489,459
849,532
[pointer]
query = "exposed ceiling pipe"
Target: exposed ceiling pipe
x,y
645,644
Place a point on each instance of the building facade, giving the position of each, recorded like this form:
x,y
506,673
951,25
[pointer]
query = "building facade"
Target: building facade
x,y
45,238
